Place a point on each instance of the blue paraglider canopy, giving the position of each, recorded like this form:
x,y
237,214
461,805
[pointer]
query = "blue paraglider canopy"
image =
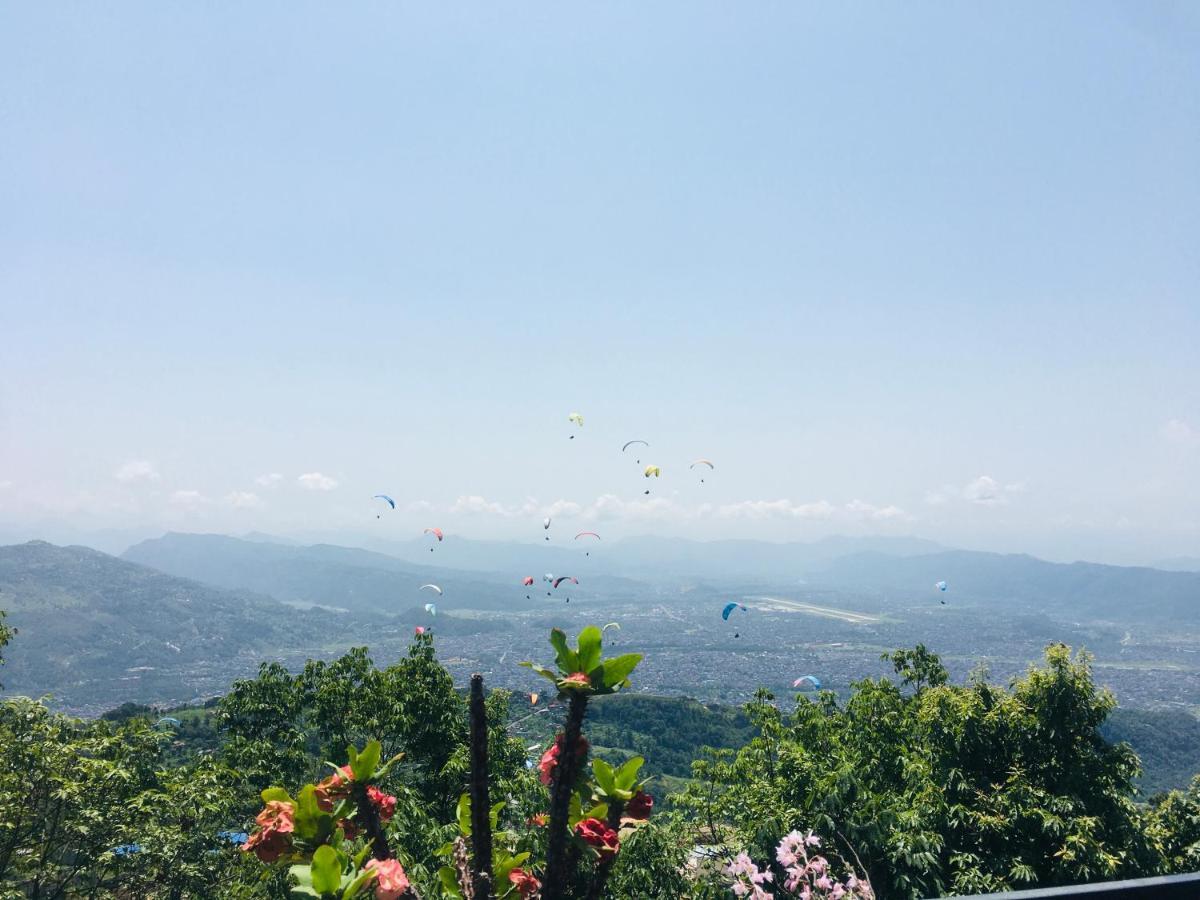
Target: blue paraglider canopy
x,y
730,607
390,501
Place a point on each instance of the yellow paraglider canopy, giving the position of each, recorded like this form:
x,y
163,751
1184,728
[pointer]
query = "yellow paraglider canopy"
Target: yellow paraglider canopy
x,y
656,471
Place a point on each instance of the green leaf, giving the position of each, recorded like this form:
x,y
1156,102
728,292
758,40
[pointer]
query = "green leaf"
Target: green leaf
x,y
445,850
276,793
449,879
566,659
627,774
326,870
354,888
307,814
503,863
464,814
494,814
604,775
542,670
364,764
589,648
617,669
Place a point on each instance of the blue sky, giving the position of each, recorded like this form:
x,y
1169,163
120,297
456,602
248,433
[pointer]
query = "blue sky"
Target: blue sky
x,y
909,268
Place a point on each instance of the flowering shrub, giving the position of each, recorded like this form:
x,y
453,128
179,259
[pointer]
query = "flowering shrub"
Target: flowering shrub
x,y
806,877
549,761
332,832
598,836
315,829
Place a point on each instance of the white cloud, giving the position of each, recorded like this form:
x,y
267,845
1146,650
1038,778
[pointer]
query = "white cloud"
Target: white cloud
x,y
243,500
1179,432
611,507
766,509
473,504
889,513
418,506
269,480
5,485
136,470
984,490
476,504
187,499
315,481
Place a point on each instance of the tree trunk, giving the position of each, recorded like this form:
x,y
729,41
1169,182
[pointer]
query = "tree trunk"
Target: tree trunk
x,y
555,885
481,806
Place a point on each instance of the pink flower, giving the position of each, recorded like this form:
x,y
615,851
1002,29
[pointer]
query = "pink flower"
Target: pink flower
x,y
524,882
270,841
419,630
597,834
334,788
550,758
639,806
391,883
576,680
277,815
385,804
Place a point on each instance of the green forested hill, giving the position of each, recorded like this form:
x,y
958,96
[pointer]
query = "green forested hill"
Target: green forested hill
x,y
96,630
1168,744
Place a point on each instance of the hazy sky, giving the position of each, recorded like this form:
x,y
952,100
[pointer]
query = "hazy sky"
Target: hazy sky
x,y
913,268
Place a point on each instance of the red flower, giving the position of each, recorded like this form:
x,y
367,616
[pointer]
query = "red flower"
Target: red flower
x,y
540,820
391,882
547,763
270,841
277,816
267,844
576,680
550,757
334,788
639,806
597,834
524,882
385,804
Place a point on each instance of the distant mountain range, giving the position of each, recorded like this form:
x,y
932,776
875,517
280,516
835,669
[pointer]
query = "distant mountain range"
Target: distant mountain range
x,y
1179,564
96,628
361,580
1077,591
654,558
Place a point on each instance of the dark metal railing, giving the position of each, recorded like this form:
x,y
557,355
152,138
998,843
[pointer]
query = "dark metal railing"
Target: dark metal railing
x,y
1165,887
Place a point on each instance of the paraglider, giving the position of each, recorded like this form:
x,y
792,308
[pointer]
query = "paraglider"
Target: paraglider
x,y
587,534
390,501
628,444
431,608
730,607
432,587
941,586
807,682
562,578
169,721
656,471
437,533
576,419
702,462
527,580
